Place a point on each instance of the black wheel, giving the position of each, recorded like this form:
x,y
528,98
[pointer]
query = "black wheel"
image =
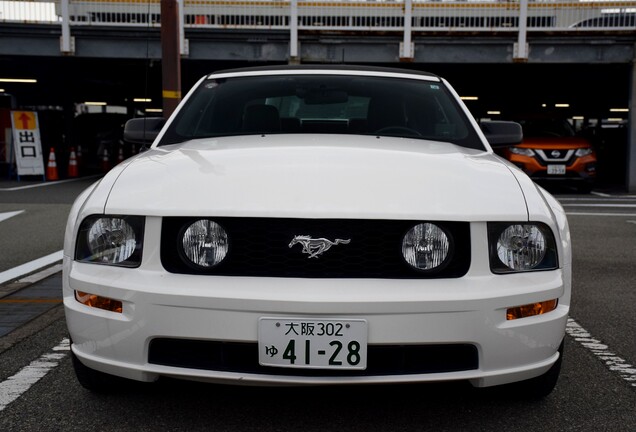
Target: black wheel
x,y
96,381
538,387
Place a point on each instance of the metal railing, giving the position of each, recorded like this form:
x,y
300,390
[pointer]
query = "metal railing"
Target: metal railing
x,y
405,16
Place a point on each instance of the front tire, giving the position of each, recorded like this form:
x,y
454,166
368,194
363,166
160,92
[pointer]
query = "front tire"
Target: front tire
x,y
539,387
96,381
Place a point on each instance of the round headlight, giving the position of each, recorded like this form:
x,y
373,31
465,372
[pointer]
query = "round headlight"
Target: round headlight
x,y
111,240
205,243
521,247
425,246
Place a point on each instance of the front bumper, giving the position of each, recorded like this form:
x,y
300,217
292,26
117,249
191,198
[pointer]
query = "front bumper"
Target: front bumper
x,y
468,310
580,169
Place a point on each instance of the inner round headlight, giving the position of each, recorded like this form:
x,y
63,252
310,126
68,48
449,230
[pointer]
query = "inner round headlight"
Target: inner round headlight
x,y
111,240
425,246
205,243
521,247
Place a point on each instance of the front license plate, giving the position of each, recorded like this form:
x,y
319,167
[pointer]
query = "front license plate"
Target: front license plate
x,y
312,343
556,169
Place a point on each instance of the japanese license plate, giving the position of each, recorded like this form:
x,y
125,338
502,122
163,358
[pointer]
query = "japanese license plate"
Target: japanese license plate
x,y
556,169
312,343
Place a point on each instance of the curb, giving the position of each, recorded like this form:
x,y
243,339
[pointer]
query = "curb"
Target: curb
x,y
27,279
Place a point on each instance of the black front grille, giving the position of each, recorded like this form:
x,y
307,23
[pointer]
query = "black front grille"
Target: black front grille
x,y
260,247
549,159
381,359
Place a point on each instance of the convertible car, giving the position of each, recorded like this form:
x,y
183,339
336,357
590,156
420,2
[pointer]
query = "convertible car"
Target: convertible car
x,y
318,225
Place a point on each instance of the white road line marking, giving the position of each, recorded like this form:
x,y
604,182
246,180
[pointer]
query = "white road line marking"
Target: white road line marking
x,y
600,214
29,267
627,200
17,188
599,198
36,277
631,221
14,386
600,194
614,363
5,216
600,205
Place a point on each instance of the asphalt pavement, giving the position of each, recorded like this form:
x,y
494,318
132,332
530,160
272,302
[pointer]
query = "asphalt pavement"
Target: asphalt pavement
x,y
23,301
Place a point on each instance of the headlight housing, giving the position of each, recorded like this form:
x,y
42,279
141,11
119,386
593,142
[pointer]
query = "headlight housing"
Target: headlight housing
x,y
583,152
522,151
519,247
204,243
111,240
427,247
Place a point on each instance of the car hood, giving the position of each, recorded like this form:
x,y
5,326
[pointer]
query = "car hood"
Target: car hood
x,y
318,176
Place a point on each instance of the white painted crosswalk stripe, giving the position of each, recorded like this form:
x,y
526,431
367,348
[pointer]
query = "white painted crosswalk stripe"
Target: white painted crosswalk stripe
x,y
14,386
613,362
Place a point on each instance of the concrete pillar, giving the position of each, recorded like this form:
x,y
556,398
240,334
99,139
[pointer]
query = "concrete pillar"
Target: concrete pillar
x,y
631,130
294,54
67,42
170,56
520,54
407,49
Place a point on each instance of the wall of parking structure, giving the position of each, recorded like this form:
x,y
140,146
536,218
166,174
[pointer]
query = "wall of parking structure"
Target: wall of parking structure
x,y
631,148
332,31
405,16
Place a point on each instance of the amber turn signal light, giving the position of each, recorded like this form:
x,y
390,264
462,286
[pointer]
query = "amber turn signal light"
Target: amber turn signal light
x,y
99,302
531,309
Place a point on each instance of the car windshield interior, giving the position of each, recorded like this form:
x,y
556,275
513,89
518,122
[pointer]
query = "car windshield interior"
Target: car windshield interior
x,y
322,104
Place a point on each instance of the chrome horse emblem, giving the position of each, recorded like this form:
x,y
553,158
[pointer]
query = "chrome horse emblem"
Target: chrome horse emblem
x,y
314,247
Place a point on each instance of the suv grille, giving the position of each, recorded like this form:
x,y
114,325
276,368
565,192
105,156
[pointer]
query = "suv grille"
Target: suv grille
x,y
260,247
563,156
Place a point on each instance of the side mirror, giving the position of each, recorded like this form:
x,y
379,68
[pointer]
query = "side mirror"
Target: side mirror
x,y
143,130
502,133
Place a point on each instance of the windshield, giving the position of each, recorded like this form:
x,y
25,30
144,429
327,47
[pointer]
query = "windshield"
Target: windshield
x,y
541,128
322,104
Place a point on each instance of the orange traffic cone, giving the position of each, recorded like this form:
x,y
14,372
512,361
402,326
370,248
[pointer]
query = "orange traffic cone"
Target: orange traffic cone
x,y
105,162
51,168
120,156
72,164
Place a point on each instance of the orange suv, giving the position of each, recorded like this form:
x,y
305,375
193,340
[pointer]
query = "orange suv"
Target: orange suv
x,y
551,152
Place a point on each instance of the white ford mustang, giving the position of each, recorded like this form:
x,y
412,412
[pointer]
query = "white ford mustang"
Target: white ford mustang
x,y
299,225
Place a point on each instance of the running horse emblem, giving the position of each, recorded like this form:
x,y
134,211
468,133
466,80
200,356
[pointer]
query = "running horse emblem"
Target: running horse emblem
x,y
314,247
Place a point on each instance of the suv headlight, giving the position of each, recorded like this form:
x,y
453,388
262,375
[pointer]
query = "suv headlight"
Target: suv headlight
x,y
519,247
583,152
522,151
112,240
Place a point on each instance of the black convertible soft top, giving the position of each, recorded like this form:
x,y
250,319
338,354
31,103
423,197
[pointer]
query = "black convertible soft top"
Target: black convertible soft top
x,y
340,67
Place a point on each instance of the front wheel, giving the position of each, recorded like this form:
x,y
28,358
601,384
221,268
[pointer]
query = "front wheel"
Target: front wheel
x,y
96,381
